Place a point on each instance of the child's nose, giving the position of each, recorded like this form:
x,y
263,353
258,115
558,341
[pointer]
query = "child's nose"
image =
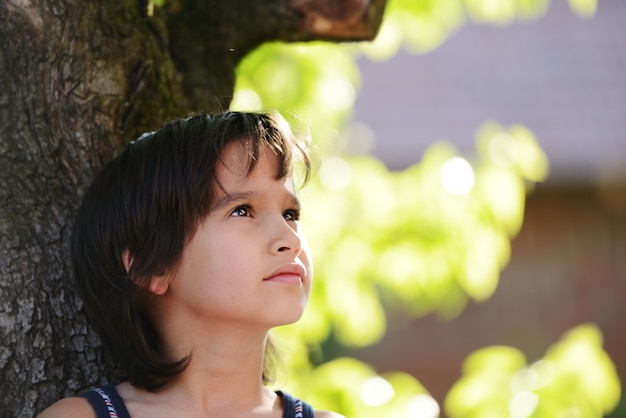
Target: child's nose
x,y
296,250
285,238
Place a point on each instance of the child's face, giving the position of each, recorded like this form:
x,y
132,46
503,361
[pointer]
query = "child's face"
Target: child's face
x,y
248,262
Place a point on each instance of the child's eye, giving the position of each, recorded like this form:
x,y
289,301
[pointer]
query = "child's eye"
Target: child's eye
x,y
291,215
241,211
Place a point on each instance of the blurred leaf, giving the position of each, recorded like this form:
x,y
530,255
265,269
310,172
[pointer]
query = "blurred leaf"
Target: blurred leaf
x,y
313,85
584,369
494,359
350,386
410,236
424,24
495,11
584,8
575,378
515,148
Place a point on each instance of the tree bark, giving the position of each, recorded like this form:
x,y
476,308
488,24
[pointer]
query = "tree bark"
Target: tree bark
x,y
78,80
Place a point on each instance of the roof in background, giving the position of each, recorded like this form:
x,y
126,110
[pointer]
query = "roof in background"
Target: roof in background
x,y
561,76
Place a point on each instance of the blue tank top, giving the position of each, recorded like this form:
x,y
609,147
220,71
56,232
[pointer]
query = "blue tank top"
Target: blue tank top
x,y
107,403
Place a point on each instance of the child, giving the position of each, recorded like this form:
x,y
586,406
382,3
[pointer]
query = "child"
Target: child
x,y
186,251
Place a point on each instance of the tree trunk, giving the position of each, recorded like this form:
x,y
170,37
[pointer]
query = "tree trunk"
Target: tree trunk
x,y
78,80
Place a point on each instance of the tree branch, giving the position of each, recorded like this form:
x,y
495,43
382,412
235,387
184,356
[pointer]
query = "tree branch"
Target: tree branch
x,y
347,20
208,39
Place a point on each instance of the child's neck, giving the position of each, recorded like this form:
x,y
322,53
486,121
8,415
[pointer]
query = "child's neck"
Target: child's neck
x,y
223,378
224,365
223,361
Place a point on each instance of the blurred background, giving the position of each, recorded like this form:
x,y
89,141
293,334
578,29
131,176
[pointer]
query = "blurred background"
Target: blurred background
x,y
564,78
468,210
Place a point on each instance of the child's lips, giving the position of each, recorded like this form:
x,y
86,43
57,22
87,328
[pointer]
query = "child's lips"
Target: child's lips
x,y
289,274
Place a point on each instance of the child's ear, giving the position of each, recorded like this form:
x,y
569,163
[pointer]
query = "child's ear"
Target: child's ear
x,y
127,260
159,285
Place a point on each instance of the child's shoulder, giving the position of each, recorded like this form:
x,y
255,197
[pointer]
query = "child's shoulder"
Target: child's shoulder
x,y
69,408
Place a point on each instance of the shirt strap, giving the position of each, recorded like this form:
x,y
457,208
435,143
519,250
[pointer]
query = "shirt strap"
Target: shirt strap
x,y
295,408
106,402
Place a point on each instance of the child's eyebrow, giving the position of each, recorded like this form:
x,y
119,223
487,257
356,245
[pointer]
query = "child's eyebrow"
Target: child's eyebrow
x,y
295,202
231,198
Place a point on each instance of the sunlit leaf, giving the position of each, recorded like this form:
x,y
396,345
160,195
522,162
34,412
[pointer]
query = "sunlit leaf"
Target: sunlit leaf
x,y
530,160
425,24
495,11
574,378
313,85
502,194
584,8
483,261
354,388
580,360
494,359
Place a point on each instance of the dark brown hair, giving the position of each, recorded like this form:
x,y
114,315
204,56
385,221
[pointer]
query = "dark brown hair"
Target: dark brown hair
x,y
149,200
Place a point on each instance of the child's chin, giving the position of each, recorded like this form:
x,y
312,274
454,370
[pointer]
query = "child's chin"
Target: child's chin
x,y
291,319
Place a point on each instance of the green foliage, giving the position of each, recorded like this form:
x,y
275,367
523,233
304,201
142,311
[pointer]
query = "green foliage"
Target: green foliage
x,y
574,379
421,25
504,11
316,82
424,240
427,238
584,8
